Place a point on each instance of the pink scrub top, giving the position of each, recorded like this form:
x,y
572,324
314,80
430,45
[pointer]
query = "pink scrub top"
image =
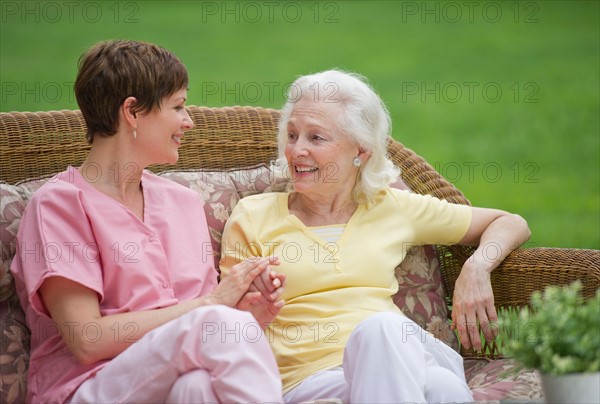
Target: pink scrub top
x,y
71,229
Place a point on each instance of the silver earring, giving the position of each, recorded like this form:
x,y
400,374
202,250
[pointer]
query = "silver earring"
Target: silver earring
x,y
357,161
134,133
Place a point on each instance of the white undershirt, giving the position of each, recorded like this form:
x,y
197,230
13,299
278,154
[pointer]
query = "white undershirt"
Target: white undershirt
x,y
331,234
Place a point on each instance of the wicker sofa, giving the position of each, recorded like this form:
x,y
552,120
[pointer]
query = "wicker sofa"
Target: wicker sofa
x,y
226,157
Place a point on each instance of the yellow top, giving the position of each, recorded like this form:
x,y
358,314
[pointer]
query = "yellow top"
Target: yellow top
x,y
331,287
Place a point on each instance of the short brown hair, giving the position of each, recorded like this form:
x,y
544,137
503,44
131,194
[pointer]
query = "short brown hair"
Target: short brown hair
x,y
111,71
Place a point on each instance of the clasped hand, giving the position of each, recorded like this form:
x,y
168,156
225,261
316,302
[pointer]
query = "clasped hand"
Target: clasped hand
x,y
252,285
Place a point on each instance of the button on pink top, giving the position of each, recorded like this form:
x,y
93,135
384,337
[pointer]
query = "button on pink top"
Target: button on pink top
x,y
72,230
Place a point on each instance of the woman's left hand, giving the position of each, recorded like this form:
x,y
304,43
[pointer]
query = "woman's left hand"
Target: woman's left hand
x,y
473,305
496,233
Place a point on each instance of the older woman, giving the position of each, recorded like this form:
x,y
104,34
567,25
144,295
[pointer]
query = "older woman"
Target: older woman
x,y
107,258
339,234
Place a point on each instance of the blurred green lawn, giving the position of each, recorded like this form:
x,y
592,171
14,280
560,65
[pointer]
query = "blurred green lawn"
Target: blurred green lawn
x,y
502,97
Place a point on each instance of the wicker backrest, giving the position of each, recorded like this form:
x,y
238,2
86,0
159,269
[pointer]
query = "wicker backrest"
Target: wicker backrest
x,y
34,144
40,143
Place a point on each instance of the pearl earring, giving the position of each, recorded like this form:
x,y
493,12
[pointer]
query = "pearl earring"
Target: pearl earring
x,y
134,133
357,161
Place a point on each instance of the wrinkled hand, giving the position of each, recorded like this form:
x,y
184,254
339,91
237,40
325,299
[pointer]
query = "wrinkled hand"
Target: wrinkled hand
x,y
269,283
473,304
263,299
263,309
234,287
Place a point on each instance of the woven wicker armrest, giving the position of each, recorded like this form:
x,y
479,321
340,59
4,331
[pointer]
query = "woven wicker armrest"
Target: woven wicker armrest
x,y
529,269
526,270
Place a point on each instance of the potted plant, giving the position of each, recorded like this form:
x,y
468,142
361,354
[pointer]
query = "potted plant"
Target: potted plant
x,y
559,335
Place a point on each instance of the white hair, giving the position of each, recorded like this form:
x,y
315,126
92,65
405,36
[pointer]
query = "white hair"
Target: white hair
x,y
365,119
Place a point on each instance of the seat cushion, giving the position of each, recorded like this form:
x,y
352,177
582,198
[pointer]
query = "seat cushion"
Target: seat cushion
x,y
501,379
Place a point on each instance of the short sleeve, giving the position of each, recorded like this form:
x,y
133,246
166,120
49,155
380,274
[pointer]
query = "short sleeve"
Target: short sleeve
x,y
56,239
238,242
434,221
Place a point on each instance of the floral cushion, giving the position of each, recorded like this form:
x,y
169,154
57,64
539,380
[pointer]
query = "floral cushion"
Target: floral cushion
x,y
14,351
421,295
13,199
501,379
11,210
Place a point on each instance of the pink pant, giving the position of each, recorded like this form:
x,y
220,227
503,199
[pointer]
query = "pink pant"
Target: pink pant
x,y
213,354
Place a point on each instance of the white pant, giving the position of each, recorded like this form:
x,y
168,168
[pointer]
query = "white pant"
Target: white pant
x,y
390,359
213,354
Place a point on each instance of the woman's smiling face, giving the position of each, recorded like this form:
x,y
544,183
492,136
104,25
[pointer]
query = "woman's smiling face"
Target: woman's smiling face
x,y
162,129
318,153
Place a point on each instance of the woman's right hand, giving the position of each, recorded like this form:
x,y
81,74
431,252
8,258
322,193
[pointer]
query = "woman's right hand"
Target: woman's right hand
x,y
232,288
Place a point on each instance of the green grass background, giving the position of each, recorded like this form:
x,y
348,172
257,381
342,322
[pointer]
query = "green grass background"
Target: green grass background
x,y
532,149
